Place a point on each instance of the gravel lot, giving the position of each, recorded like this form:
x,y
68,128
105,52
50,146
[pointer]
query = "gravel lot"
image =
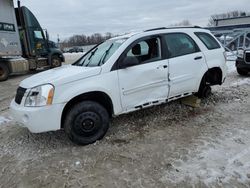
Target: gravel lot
x,y
172,145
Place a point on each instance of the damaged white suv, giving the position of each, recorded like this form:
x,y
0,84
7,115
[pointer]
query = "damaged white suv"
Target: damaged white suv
x,y
121,75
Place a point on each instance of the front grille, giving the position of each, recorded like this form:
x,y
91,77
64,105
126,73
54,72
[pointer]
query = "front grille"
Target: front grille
x,y
247,57
19,95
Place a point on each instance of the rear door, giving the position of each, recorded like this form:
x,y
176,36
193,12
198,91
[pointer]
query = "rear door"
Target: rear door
x,y
186,64
145,84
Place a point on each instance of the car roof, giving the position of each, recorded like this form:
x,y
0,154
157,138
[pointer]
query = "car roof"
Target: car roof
x,y
160,30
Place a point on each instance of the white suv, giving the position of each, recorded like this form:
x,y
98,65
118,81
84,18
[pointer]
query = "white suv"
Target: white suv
x,y
121,75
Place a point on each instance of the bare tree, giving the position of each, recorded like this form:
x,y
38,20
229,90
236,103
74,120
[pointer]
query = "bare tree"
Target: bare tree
x,y
82,40
182,23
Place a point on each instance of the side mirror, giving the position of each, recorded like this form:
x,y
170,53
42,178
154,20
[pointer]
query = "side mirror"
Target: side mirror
x,y
129,62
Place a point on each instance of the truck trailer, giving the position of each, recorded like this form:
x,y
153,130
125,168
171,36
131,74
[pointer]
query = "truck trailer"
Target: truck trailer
x,y
24,45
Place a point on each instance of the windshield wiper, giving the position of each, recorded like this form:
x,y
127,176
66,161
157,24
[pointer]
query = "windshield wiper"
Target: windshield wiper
x,y
105,55
92,54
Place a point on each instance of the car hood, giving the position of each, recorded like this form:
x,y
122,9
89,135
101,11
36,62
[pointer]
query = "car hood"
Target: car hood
x,y
61,75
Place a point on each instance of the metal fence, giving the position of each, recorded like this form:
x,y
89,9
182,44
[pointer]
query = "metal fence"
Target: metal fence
x,y
233,40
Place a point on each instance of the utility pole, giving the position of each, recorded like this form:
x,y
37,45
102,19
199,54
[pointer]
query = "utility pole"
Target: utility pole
x,y
58,41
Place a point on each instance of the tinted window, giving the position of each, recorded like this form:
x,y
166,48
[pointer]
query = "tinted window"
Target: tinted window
x,y
208,40
146,51
180,44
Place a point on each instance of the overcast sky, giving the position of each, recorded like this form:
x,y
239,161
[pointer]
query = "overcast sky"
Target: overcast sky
x,y
68,17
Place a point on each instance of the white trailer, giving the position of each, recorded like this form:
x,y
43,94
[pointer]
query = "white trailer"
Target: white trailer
x,y
23,44
9,37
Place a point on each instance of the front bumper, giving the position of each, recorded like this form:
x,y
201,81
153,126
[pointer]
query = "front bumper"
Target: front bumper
x,y
241,64
38,119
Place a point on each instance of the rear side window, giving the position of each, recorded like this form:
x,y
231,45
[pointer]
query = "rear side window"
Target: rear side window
x,y
180,44
208,40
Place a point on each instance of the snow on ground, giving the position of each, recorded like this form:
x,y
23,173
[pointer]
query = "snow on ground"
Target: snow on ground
x,y
232,56
72,57
231,66
228,159
4,120
241,82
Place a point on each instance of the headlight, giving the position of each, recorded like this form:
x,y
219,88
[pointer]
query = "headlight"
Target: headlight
x,y
40,96
241,53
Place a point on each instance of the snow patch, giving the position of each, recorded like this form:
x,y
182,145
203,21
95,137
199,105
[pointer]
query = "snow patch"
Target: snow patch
x,y
241,82
218,163
72,57
4,120
231,56
231,66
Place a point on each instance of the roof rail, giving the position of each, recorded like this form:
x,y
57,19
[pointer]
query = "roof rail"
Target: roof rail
x,y
155,29
175,27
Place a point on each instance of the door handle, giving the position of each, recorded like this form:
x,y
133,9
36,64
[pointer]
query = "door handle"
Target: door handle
x,y
162,67
198,57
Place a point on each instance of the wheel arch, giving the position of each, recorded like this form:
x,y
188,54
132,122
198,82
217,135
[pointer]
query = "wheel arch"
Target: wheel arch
x,y
97,96
213,76
56,52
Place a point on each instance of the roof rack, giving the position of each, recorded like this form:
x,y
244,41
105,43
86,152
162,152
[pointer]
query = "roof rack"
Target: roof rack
x,y
181,27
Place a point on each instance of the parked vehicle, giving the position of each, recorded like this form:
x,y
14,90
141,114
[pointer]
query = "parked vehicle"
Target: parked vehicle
x,y
75,50
243,62
234,41
121,75
24,45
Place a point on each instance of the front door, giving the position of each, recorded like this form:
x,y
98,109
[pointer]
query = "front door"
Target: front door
x,y
145,84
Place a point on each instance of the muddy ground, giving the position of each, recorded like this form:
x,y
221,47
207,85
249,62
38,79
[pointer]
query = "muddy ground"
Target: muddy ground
x,y
172,145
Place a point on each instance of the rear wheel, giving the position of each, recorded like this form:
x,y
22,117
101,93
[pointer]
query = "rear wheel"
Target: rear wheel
x,y
55,61
204,90
242,72
4,72
86,122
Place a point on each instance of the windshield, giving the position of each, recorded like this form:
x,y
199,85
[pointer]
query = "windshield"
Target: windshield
x,y
100,54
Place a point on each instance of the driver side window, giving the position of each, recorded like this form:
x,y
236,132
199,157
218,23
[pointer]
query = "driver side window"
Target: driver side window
x,y
146,51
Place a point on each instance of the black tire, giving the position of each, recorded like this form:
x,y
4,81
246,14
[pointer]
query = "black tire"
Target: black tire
x,y
56,61
204,90
4,72
242,72
86,123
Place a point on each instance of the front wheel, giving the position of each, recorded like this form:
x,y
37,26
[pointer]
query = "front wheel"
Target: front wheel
x,y
242,72
4,72
55,61
86,122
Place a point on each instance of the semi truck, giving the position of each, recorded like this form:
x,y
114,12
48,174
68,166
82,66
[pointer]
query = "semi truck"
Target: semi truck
x,y
24,45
